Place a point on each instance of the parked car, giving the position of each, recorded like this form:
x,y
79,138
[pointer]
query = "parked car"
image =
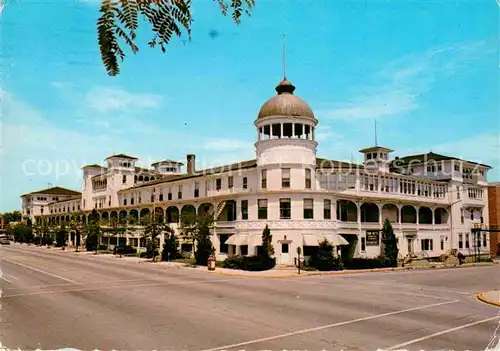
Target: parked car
x,y
4,241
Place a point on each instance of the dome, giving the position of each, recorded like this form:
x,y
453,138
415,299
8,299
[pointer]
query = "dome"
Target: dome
x,y
286,104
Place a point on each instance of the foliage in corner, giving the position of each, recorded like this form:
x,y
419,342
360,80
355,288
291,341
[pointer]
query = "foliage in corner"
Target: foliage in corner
x,y
119,21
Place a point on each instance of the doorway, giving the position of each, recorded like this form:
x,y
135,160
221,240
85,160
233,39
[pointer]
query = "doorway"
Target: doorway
x,y
285,253
410,246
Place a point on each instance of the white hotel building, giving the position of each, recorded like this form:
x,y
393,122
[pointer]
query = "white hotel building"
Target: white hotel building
x,y
432,200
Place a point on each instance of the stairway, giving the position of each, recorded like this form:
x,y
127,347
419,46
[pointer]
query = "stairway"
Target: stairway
x,y
220,208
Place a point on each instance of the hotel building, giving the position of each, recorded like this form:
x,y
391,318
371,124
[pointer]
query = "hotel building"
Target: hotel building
x,y
432,200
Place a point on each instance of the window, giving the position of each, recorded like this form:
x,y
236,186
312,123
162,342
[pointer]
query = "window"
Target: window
x,y
482,219
363,244
284,248
457,168
223,247
458,192
264,179
230,182
244,209
285,208
132,201
161,197
327,209
179,192
285,177
462,215
245,183
308,209
152,198
460,241
484,240
262,210
472,214
124,179
467,241
426,244
196,189
218,184
442,243
244,250
169,195
308,179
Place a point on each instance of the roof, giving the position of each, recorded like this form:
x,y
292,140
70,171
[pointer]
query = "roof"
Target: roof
x,y
92,166
167,162
376,148
122,156
286,104
323,163
72,198
200,173
56,190
431,156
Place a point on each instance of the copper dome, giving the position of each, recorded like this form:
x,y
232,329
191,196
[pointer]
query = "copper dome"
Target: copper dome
x,y
285,104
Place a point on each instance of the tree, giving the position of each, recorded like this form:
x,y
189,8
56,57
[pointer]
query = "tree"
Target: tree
x,y
170,248
389,244
14,216
153,228
22,233
77,227
119,20
267,239
61,236
196,229
93,232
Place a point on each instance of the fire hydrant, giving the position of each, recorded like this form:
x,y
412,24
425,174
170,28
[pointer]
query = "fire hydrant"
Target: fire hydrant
x,y
211,263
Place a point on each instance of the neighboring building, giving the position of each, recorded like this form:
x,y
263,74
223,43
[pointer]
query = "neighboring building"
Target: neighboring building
x,y
36,203
432,200
494,214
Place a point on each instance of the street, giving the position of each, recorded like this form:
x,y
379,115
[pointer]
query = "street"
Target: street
x,y
54,299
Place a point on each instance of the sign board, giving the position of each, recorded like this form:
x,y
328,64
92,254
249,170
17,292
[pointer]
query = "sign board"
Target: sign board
x,y
372,237
409,233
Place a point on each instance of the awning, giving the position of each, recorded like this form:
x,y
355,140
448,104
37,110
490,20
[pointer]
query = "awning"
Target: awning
x,y
237,239
315,239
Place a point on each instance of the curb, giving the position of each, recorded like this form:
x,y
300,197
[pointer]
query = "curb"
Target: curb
x,y
481,298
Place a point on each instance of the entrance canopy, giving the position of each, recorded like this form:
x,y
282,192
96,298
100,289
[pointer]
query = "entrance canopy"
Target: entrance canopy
x,y
244,239
315,239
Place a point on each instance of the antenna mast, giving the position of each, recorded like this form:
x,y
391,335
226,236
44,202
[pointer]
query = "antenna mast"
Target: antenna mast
x,y
284,56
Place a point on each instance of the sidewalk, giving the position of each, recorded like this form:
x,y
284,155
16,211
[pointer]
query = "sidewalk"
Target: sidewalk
x,y
490,297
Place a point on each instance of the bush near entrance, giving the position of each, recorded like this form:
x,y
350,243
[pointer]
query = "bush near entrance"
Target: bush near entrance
x,y
262,262
367,263
324,259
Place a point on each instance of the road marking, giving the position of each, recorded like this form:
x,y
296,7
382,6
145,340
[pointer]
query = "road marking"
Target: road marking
x,y
303,331
7,280
410,286
116,287
38,270
442,332
10,275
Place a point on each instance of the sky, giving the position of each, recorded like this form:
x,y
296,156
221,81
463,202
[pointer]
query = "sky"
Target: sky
x,y
426,71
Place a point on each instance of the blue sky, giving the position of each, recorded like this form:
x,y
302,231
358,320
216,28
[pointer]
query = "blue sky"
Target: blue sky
x,y
427,71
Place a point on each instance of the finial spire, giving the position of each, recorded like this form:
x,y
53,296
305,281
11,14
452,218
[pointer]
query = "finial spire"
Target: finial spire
x,y
376,141
284,56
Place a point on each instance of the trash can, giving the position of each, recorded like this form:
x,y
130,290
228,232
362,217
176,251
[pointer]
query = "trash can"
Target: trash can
x,y
211,263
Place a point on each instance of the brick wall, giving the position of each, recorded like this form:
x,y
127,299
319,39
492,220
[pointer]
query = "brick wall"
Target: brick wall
x,y
494,216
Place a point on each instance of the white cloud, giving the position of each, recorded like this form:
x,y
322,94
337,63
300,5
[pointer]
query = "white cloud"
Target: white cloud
x,y
399,85
108,99
226,144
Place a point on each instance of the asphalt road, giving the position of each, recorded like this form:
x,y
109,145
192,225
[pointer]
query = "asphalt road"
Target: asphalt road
x,y
52,299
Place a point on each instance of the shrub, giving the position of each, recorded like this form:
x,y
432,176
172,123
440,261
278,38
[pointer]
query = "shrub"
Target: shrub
x,y
368,263
125,250
249,263
324,259
91,242
37,240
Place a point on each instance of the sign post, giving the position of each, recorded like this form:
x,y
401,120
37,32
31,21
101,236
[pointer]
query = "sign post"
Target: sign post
x,y
299,251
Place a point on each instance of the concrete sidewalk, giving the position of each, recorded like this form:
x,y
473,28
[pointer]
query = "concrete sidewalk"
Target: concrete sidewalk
x,y
490,297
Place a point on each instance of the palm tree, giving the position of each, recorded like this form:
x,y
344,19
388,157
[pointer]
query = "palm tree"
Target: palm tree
x,y
119,20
